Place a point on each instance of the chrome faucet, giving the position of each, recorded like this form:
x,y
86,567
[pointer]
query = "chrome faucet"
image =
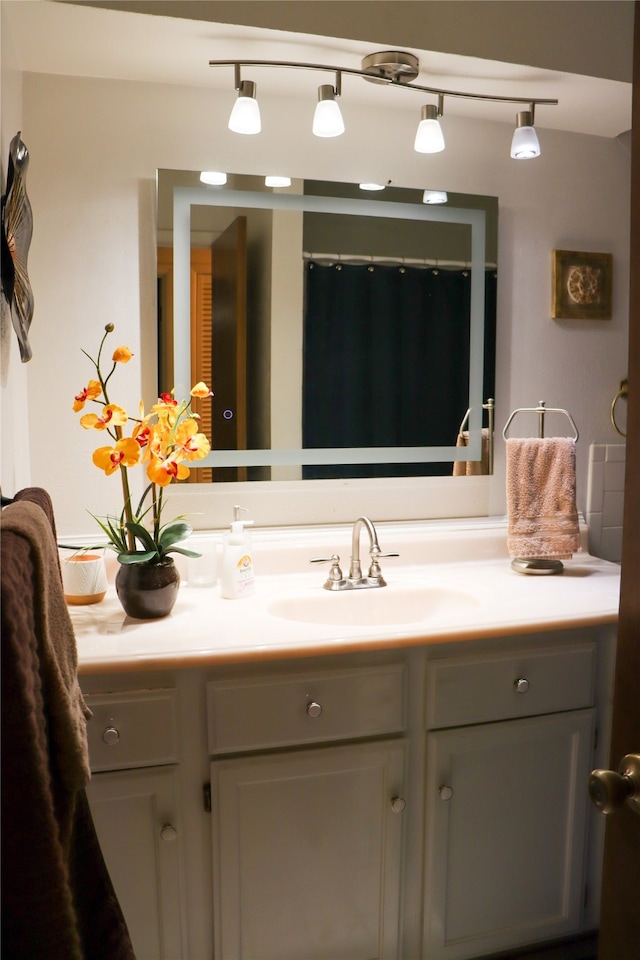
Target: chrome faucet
x,y
355,580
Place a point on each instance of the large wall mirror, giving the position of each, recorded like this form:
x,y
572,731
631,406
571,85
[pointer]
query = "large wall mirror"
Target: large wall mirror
x,y
344,333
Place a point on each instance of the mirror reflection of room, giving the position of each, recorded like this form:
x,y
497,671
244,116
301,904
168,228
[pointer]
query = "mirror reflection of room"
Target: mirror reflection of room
x,y
322,330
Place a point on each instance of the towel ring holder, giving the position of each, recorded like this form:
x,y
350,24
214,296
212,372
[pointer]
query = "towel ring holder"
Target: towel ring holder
x,y
489,406
620,395
539,566
542,409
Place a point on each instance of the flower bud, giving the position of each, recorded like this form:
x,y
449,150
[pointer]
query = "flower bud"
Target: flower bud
x,y
109,328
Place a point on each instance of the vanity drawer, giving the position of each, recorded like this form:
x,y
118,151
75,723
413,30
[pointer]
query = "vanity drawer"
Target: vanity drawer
x,y
132,729
280,711
469,690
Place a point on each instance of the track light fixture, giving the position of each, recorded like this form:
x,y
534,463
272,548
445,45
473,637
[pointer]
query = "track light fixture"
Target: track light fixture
x,y
245,116
327,120
213,178
525,144
435,196
429,136
395,68
272,180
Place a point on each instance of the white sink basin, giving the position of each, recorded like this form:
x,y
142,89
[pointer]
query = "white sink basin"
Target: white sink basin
x,y
396,604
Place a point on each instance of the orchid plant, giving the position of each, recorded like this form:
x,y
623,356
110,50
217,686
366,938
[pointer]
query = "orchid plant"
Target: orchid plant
x,y
164,440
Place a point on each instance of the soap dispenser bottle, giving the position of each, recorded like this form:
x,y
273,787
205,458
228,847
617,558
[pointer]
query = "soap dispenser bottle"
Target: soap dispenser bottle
x,y
237,578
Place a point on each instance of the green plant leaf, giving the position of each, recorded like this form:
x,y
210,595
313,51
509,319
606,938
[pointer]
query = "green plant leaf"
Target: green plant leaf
x,y
142,534
137,557
174,533
184,552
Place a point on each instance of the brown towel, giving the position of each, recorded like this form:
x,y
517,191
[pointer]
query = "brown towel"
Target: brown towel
x,y
58,655
541,498
472,468
57,898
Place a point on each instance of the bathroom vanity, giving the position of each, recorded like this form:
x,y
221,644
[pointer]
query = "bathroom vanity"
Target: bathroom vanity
x,y
393,773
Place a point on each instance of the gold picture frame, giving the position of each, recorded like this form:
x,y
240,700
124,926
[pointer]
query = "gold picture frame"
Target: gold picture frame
x,y
582,285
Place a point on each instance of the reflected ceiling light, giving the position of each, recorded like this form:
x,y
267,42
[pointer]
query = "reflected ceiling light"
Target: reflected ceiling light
x,y
394,68
277,181
245,116
327,120
434,196
429,136
213,178
525,144
371,186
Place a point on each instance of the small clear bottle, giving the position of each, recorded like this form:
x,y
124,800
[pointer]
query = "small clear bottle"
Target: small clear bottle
x,y
237,578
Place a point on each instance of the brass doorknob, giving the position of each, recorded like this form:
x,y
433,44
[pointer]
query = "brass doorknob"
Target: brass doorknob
x,y
610,790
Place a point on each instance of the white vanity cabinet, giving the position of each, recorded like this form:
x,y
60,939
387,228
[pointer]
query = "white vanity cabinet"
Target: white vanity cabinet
x,y
134,795
308,781
509,750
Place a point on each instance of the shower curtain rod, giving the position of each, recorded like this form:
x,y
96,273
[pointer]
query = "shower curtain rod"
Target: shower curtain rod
x,y
426,262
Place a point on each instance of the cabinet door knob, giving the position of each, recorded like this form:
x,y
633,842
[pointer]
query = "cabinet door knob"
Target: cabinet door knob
x,y
398,804
314,710
111,735
445,792
610,790
168,832
521,685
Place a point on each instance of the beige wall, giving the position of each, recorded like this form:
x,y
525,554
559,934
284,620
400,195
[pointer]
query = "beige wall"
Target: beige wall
x,y
95,146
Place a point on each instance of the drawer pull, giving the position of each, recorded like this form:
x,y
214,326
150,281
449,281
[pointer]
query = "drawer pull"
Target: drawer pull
x,y
314,710
168,832
521,685
111,735
398,804
445,792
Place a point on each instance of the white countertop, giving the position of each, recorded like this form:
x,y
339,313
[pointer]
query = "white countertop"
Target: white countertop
x,y
462,569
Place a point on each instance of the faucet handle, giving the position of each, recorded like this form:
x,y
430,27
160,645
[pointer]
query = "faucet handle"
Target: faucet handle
x,y
335,580
375,573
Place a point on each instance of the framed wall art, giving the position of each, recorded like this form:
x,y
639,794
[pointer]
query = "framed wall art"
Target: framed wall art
x,y
15,239
581,285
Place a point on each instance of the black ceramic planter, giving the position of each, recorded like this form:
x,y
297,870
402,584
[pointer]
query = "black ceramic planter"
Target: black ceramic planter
x,y
148,590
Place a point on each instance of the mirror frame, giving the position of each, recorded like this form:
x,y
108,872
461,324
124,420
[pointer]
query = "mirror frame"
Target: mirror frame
x,y
184,198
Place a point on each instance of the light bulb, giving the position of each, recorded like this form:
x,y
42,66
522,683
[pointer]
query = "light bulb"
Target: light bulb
x,y
245,116
277,181
434,196
525,144
371,186
429,137
214,178
327,120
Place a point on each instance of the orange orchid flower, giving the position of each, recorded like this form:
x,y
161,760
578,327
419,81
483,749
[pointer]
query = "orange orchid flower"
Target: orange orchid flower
x,y
121,354
163,472
112,416
126,453
90,392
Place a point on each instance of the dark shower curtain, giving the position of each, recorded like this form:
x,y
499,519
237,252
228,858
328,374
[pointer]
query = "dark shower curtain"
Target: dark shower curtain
x,y
386,360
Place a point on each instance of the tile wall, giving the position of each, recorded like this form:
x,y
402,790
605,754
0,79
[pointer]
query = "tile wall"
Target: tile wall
x,y
605,499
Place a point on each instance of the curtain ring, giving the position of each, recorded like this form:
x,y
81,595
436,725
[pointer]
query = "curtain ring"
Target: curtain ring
x,y
622,393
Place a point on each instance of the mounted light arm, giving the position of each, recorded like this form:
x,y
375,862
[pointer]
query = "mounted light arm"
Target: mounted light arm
x,y
371,76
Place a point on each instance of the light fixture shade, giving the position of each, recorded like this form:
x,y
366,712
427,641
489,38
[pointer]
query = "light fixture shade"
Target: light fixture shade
x,y
274,181
327,120
434,196
213,178
371,186
429,136
245,116
525,144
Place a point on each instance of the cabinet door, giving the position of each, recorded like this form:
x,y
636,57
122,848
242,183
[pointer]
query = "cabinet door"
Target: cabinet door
x,y
137,821
506,823
307,854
